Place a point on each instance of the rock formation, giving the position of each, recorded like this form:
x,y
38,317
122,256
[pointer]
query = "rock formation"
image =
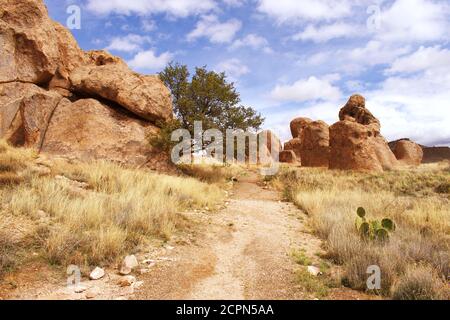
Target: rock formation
x,y
297,126
288,156
59,99
356,142
407,152
294,145
435,154
315,144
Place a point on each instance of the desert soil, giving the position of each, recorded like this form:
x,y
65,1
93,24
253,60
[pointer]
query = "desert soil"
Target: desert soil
x,y
243,251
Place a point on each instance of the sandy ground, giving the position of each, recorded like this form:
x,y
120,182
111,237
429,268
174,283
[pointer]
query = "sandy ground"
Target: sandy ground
x,y
241,252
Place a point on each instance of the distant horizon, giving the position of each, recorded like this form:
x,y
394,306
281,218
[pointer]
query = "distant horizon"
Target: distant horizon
x,y
291,59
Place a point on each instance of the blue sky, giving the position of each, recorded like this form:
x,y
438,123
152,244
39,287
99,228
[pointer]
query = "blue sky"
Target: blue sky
x,y
293,58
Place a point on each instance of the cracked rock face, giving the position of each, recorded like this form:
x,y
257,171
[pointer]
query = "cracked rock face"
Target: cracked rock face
x,y
57,98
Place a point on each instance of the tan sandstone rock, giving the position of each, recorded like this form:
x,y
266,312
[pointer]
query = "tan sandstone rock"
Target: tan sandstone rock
x,y
407,152
25,111
296,146
88,129
315,144
297,126
356,142
32,46
145,96
288,156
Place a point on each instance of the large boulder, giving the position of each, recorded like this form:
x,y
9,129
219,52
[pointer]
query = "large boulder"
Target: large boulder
x,y
89,130
32,46
356,142
297,126
315,144
145,96
407,152
294,145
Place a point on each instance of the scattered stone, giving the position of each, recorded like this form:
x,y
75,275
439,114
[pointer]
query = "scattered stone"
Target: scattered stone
x,y
92,293
144,271
126,281
138,284
128,264
314,271
97,274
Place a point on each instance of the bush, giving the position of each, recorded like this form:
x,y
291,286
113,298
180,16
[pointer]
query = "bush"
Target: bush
x,y
420,283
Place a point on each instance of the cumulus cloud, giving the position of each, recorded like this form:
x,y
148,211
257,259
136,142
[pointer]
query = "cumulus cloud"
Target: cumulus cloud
x,y
310,89
234,68
407,21
252,41
176,8
210,27
149,61
327,32
128,43
299,10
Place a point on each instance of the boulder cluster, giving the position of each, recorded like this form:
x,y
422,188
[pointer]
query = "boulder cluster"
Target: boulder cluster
x,y
353,143
59,99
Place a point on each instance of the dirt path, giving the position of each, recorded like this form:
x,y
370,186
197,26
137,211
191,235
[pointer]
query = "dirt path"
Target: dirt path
x,y
244,253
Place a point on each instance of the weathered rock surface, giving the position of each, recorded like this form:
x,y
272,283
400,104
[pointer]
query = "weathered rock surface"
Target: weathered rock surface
x,y
407,152
288,156
297,126
315,144
145,96
112,110
32,46
294,145
88,130
356,142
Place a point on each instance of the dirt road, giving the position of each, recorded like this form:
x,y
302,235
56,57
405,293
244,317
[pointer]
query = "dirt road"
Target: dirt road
x,y
244,252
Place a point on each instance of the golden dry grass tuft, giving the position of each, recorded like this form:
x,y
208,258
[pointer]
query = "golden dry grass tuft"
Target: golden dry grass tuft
x,y
413,198
90,213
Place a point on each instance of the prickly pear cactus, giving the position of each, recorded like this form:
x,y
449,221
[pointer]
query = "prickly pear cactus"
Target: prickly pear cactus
x,y
373,230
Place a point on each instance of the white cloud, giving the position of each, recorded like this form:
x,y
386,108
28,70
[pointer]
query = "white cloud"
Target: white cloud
x,y
253,41
414,21
210,27
431,58
233,68
311,89
300,10
128,43
327,32
149,61
176,8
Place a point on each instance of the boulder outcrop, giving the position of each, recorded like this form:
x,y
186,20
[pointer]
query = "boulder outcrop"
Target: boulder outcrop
x,y
315,144
407,152
288,156
297,126
60,99
294,145
356,142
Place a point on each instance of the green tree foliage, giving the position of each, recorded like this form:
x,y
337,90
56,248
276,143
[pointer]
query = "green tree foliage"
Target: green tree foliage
x,y
207,97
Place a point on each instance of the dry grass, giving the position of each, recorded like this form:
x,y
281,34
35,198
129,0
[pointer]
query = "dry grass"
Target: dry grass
x,y
410,197
212,173
91,213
